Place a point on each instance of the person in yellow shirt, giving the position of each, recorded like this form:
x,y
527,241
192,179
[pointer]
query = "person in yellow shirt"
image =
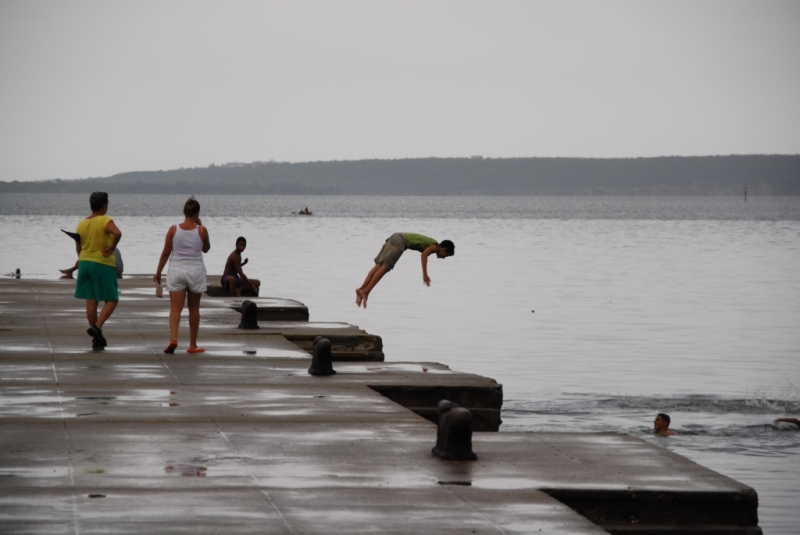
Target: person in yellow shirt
x,y
97,274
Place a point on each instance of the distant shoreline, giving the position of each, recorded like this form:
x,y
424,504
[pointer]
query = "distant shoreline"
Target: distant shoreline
x,y
659,176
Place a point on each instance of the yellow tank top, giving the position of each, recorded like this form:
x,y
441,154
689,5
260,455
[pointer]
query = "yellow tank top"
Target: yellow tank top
x,y
94,239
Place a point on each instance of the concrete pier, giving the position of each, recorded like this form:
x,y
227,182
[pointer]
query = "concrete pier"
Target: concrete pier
x,y
241,439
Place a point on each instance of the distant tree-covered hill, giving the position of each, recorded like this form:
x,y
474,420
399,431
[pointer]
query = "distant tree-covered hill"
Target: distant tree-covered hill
x,y
701,175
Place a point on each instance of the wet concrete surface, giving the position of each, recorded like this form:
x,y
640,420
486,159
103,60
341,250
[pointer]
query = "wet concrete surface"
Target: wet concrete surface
x,y
241,439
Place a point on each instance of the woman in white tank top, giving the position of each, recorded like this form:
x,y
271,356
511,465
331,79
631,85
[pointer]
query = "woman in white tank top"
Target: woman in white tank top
x,y
186,281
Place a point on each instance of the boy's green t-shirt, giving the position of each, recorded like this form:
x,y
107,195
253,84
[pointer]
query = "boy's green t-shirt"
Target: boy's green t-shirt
x,y
418,242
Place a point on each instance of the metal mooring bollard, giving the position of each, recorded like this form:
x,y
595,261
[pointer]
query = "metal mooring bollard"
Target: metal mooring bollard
x,y
321,361
454,436
249,315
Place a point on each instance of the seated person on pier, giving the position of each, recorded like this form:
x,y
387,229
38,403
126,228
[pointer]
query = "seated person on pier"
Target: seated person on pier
x,y
392,249
233,278
661,425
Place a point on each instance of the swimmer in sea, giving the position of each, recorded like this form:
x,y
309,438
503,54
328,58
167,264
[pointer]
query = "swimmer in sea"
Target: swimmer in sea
x,y
661,425
794,421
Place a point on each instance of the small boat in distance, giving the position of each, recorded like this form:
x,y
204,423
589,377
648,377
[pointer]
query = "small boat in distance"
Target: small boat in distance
x,y
304,211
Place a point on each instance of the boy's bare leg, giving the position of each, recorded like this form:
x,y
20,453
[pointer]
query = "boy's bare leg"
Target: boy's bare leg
x,y
366,282
231,283
371,273
376,274
69,271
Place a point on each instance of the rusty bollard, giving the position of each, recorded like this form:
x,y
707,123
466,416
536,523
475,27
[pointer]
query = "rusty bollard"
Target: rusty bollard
x,y
454,436
321,361
249,315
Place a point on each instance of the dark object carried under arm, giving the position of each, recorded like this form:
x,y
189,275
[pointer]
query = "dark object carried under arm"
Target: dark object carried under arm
x,y
73,235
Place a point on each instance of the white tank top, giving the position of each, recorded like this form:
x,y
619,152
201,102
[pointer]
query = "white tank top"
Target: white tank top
x,y
186,244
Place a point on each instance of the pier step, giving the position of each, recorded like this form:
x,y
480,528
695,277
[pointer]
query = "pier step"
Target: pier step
x,y
682,530
215,290
277,313
484,402
665,513
344,347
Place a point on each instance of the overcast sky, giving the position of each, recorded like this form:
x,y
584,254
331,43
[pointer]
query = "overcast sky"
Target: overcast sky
x,y
97,88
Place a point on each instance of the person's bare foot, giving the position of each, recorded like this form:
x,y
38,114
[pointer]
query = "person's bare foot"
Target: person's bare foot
x,y
196,350
364,297
358,296
171,347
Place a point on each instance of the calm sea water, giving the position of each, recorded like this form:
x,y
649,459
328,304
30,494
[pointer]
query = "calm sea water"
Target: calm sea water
x,y
594,313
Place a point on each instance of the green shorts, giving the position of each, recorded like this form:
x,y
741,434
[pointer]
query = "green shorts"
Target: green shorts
x,y
96,282
391,251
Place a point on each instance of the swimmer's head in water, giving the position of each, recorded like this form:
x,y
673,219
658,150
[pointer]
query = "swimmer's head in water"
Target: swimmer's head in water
x,y
661,422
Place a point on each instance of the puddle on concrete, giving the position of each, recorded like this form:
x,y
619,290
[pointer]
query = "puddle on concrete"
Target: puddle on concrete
x,y
192,468
507,483
259,352
152,395
217,311
24,348
108,349
278,325
372,369
387,368
227,349
45,471
258,395
144,290
10,371
135,371
152,313
292,475
140,395
27,397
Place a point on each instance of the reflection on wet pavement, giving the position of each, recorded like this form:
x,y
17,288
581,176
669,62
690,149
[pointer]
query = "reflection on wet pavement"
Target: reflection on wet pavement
x,y
191,468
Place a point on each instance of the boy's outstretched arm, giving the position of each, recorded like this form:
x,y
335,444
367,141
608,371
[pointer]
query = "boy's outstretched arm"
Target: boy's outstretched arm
x,y
431,249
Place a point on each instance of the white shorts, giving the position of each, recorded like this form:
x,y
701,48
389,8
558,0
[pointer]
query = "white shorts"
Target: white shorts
x,y
185,275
